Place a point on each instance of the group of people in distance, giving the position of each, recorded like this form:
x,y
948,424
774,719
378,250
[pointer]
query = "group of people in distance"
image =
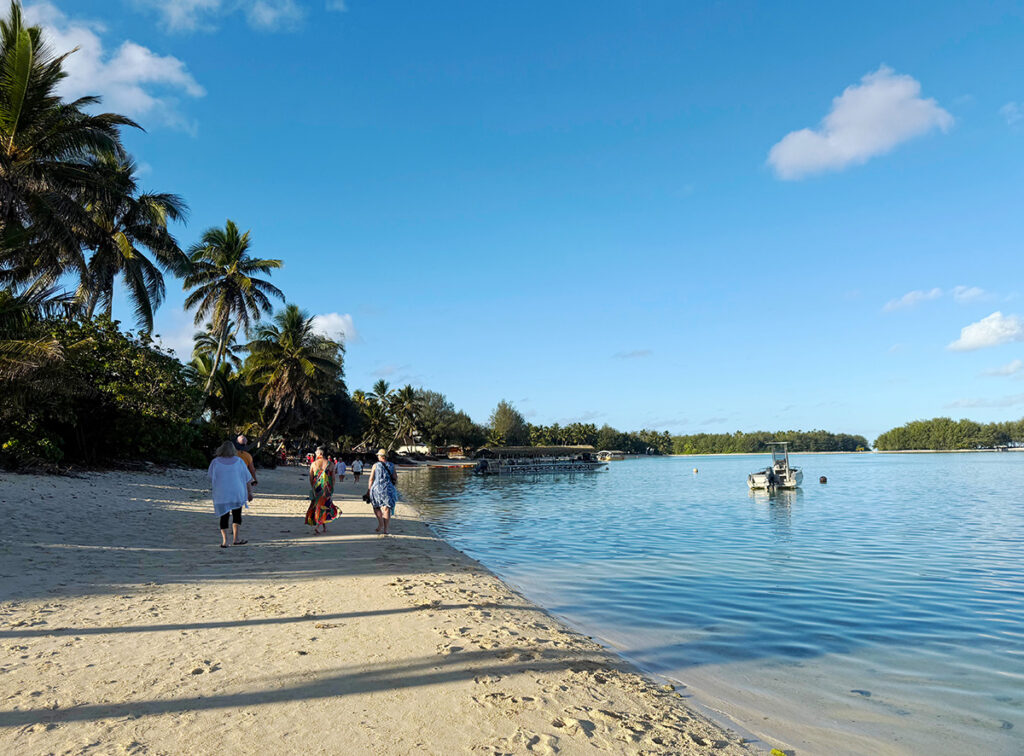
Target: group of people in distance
x,y
233,475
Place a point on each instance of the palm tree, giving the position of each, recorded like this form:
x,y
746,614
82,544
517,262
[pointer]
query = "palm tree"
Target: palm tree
x,y
46,147
206,342
378,425
291,363
225,286
126,223
405,410
23,351
382,393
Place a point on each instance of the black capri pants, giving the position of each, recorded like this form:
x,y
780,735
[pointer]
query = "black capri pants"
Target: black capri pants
x,y
234,514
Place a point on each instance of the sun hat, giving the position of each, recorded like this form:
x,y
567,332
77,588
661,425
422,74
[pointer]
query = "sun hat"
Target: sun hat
x,y
382,452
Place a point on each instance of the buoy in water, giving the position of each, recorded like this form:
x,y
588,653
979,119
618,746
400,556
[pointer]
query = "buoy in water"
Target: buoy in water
x,y
823,479
695,471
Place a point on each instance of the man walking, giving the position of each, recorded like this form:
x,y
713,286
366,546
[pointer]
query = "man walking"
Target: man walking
x,y
241,444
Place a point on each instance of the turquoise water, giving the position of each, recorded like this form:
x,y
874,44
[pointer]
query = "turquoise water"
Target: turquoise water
x,y
880,613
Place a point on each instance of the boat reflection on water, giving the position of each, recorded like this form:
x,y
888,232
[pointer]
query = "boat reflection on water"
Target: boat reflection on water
x,y
780,503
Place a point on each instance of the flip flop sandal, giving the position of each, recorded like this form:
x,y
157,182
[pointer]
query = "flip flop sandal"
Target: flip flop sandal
x,y
223,545
239,543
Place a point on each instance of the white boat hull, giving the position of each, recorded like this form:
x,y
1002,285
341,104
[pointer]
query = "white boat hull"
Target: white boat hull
x,y
763,481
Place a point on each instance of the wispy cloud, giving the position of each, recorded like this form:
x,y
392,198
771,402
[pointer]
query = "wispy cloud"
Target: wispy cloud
x,y
632,355
336,5
992,331
965,294
713,421
868,119
132,80
387,371
912,298
585,417
205,15
1013,112
334,325
1004,401
960,295
1010,368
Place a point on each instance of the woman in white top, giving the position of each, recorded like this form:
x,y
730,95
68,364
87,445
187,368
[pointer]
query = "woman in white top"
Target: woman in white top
x,y
232,490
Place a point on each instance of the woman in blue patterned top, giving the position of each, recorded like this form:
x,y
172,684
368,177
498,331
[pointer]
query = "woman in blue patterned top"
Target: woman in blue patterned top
x,y
383,494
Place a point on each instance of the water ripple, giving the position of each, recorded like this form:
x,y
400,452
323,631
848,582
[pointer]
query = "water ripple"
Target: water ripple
x,y
882,604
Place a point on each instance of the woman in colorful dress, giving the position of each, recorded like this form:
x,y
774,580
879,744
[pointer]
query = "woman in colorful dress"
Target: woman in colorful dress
x,y
321,483
383,494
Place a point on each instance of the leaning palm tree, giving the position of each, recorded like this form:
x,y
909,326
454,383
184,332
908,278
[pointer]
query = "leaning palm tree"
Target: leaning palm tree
x,y
46,147
206,342
291,363
225,287
128,224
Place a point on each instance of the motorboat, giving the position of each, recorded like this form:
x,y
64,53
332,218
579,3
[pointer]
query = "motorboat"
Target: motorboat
x,y
779,474
610,456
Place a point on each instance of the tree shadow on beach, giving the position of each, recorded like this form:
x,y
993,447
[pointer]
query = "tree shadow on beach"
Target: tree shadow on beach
x,y
41,632
342,681
73,538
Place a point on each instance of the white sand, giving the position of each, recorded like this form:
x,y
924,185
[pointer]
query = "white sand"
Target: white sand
x,y
127,630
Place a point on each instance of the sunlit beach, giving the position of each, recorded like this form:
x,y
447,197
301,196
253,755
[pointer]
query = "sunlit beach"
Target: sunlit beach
x,y
393,378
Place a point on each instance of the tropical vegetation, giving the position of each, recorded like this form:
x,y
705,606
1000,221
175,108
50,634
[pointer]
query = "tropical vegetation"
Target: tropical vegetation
x,y
757,441
945,434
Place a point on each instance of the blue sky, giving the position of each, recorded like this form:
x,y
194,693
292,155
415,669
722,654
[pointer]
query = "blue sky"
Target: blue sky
x,y
690,216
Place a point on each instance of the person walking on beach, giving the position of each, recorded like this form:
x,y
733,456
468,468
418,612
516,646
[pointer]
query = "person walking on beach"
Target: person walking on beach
x,y
241,446
383,494
340,469
321,483
232,490
357,469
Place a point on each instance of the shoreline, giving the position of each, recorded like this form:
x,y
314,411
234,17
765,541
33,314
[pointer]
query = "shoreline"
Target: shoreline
x,y
127,627
872,451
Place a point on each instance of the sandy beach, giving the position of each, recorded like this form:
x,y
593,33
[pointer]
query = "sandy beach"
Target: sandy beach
x,y
127,630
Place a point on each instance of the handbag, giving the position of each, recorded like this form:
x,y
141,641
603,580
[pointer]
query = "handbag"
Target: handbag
x,y
366,496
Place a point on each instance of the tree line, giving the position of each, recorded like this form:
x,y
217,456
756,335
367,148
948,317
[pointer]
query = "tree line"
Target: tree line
x,y
943,434
757,441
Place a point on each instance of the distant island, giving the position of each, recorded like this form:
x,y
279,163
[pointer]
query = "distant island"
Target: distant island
x,y
946,434
757,441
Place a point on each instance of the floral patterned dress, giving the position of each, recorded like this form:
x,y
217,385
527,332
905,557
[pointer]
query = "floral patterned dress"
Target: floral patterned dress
x,y
321,509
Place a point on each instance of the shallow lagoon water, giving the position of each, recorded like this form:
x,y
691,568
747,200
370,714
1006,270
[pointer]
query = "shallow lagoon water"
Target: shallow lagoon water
x,y
880,613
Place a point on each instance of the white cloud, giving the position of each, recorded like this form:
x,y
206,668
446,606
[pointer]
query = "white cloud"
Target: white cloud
x,y
866,120
336,5
1010,368
335,325
912,298
992,331
132,80
176,332
964,294
1013,112
193,15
